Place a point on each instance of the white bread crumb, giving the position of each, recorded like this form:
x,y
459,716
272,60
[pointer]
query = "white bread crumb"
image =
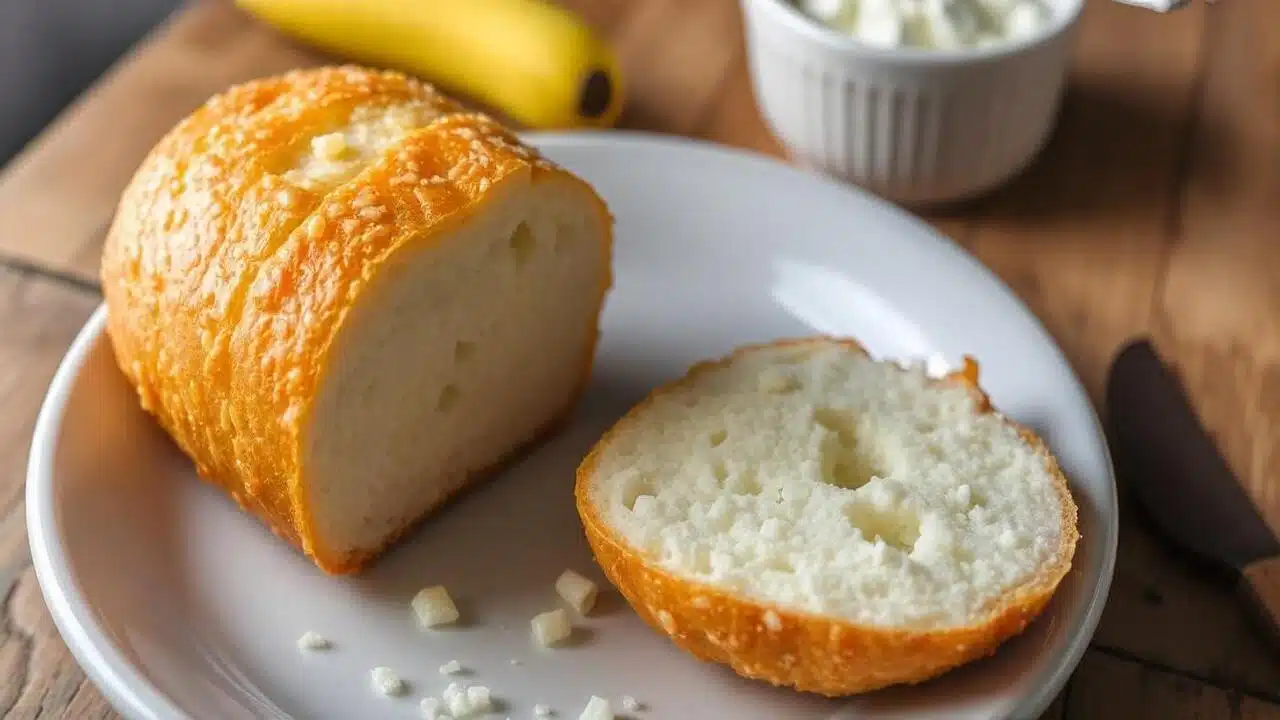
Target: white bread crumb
x,y
577,591
387,682
453,667
551,628
597,709
871,493
433,606
542,711
312,640
630,704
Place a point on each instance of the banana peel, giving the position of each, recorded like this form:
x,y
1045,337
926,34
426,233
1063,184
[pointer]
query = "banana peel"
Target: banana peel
x,y
536,62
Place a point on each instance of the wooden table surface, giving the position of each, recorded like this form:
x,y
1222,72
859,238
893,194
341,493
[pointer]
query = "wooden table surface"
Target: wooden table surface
x,y
1155,209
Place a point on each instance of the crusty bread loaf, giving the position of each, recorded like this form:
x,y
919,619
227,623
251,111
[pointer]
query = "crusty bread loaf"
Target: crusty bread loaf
x,y
345,298
817,519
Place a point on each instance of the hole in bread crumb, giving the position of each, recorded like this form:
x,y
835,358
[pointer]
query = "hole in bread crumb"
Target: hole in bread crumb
x,y
718,437
522,244
774,381
844,464
635,488
720,472
745,483
702,562
838,422
464,351
448,397
897,528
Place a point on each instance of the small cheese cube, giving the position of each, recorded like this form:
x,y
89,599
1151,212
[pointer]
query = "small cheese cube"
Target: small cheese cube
x,y
313,641
455,699
432,709
576,590
453,667
597,709
551,628
433,606
387,682
630,704
479,699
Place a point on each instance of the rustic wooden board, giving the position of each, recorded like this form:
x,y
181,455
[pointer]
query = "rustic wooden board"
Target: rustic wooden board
x,y
1155,209
1106,686
38,319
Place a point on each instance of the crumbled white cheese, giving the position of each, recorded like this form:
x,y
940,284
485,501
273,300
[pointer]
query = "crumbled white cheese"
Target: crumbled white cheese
x,y
453,667
630,704
433,709
433,606
311,640
579,592
880,23
551,628
387,682
597,709
464,702
938,24
542,711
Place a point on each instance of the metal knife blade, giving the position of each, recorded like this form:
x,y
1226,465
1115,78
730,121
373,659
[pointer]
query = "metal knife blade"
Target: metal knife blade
x,y
1173,467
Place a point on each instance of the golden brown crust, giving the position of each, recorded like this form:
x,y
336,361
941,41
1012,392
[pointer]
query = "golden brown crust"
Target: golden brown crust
x,y
812,653
225,283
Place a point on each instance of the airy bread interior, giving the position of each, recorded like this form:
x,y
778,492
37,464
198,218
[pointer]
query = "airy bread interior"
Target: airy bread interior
x,y
811,477
461,350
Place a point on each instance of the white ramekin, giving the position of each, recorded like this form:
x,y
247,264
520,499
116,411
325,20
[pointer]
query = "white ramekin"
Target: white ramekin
x,y
915,126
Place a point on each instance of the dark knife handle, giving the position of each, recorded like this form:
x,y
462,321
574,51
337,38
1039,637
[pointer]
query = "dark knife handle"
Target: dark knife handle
x,y
1260,583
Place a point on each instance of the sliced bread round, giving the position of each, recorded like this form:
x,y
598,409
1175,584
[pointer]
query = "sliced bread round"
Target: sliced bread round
x,y
818,519
347,299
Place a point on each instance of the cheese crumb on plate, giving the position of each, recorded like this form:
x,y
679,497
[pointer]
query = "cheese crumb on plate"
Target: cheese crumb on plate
x,y
434,607
311,640
387,682
551,628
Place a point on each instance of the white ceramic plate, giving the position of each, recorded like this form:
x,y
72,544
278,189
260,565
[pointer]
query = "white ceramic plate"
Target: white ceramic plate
x,y
179,605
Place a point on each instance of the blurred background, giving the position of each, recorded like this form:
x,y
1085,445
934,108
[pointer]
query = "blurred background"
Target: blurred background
x,y
51,50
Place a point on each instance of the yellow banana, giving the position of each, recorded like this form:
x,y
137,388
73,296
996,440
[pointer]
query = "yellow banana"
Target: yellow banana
x,y
535,61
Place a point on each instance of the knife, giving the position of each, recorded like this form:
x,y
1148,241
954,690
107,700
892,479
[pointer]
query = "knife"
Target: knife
x,y
1176,473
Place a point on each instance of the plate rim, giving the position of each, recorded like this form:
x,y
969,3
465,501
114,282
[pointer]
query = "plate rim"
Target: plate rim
x,y
130,692
134,696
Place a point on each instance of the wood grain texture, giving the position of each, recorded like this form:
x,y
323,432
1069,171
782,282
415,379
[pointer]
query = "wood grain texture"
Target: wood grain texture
x,y
1108,687
1261,586
1154,209
1219,305
38,319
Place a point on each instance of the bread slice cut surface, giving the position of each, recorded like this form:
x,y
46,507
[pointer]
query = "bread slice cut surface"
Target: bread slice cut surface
x,y
805,480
